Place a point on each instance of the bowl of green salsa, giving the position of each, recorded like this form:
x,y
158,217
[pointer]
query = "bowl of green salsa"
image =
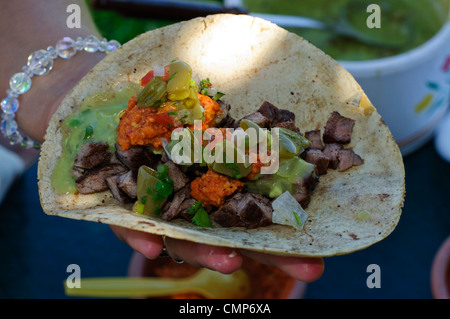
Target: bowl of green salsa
x,y
408,78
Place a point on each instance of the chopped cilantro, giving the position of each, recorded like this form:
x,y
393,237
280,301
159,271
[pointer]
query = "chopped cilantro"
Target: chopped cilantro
x,y
164,185
196,206
201,217
218,96
297,218
204,84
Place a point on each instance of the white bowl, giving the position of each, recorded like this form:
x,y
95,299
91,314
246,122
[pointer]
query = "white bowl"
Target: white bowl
x,y
410,90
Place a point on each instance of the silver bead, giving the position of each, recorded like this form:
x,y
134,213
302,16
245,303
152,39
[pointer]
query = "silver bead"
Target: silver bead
x,y
40,62
66,48
20,83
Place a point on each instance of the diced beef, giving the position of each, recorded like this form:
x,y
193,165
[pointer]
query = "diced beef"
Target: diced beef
x,y
259,119
275,115
77,172
225,119
184,207
92,155
347,159
128,184
332,152
176,175
175,206
245,210
303,189
315,138
95,179
135,157
290,125
338,129
318,158
117,193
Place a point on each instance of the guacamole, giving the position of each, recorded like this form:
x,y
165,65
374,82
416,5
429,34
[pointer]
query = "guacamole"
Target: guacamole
x,y
414,20
95,120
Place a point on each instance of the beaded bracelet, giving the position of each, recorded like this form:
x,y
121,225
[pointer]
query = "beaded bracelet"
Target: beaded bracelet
x,y
39,63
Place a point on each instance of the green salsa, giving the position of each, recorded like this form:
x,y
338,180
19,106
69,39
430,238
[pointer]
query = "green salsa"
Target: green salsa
x,y
96,119
419,20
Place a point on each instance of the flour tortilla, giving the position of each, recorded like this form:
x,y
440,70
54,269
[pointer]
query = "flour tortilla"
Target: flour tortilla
x,y
253,61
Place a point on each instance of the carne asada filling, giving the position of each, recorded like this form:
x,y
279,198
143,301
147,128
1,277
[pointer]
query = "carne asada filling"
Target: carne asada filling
x,y
136,166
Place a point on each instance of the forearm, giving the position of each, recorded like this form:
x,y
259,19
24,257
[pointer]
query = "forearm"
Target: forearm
x,y
33,25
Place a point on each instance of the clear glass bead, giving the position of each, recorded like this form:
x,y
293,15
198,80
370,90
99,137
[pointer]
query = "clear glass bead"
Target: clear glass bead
x,y
103,45
66,48
91,44
15,138
8,126
20,83
27,142
112,45
10,105
40,62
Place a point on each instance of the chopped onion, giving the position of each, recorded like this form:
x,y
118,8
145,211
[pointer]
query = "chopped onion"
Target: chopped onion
x,y
159,70
212,91
287,211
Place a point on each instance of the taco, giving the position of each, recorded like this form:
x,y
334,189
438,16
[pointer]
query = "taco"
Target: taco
x,y
339,162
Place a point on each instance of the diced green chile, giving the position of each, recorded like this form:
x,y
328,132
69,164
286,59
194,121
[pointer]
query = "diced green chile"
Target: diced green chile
x,y
237,167
291,143
260,133
178,87
153,94
153,188
290,172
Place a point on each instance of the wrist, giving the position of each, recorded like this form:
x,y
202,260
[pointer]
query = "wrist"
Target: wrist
x,y
36,108
39,104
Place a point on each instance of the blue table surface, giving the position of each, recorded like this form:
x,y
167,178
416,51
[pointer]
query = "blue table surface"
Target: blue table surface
x,y
36,249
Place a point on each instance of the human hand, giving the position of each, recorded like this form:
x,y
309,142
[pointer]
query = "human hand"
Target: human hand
x,y
223,259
